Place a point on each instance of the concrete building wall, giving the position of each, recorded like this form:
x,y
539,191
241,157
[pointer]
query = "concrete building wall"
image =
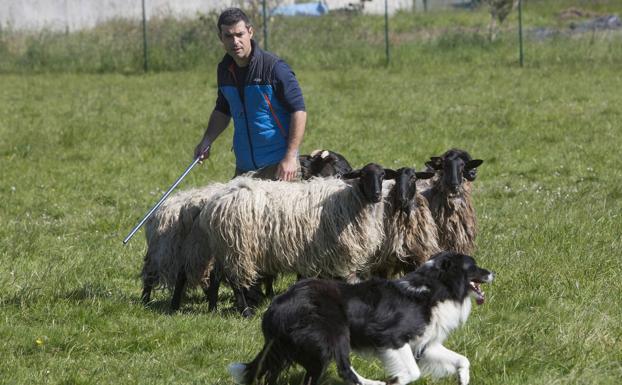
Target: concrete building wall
x,y
79,14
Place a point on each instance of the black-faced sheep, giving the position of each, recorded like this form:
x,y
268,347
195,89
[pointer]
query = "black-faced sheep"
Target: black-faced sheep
x,y
324,163
449,198
411,235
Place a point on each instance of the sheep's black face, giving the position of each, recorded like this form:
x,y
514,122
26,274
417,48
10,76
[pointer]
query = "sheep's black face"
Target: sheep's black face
x,y
371,177
371,180
405,189
453,167
452,174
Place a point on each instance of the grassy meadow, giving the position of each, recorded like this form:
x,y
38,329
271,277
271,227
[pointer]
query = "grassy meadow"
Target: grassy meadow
x,y
84,155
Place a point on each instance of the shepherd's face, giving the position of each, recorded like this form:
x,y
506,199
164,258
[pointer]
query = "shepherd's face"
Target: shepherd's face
x,y
236,40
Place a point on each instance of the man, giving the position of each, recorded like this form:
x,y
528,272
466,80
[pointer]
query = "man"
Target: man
x,y
260,92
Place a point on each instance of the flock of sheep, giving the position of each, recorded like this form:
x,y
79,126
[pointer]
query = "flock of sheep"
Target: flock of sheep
x,y
337,222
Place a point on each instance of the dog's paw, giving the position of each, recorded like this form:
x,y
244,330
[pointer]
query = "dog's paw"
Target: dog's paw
x,y
237,371
365,381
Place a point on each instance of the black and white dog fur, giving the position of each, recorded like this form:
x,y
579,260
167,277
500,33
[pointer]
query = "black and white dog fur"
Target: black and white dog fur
x,y
403,322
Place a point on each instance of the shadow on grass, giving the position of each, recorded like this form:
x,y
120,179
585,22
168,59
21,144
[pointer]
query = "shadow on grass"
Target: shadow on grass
x,y
195,303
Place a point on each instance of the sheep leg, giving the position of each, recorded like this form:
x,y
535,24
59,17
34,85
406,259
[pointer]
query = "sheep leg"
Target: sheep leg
x,y
211,290
241,303
269,284
179,290
148,284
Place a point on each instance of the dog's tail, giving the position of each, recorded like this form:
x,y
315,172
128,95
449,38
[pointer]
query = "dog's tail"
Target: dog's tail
x,y
249,373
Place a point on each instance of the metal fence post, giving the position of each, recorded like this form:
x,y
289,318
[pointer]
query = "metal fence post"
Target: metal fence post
x,y
265,25
145,61
520,32
386,30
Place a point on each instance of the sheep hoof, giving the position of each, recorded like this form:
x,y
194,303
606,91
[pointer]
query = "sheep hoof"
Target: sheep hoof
x,y
248,312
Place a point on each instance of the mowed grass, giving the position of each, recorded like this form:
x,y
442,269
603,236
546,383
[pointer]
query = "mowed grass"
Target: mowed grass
x,y
83,157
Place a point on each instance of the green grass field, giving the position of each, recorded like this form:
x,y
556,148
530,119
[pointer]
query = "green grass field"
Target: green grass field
x,y
84,156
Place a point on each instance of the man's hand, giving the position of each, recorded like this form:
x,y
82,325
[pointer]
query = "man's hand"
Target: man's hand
x,y
202,149
288,169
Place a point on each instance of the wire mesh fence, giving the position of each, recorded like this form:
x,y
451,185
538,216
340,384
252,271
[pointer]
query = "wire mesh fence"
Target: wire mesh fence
x,y
345,33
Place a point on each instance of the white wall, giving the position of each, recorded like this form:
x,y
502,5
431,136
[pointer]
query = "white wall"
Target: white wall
x,y
78,14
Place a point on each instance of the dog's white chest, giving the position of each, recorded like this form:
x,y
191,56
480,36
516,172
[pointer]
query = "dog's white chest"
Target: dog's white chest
x,y
446,316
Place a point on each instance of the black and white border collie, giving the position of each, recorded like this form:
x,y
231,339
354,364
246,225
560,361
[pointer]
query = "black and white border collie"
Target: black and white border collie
x,y
403,322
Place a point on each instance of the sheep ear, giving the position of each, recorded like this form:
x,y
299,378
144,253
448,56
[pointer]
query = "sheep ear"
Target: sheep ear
x,y
435,163
390,173
424,175
315,152
352,174
473,164
332,158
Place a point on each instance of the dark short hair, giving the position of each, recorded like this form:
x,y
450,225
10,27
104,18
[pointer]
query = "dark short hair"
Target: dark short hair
x,y
231,16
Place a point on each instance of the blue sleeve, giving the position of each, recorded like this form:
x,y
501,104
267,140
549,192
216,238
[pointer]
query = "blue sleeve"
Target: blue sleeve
x,y
287,88
222,105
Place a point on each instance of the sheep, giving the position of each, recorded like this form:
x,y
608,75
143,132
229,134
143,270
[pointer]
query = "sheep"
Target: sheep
x,y
449,198
169,229
166,232
411,235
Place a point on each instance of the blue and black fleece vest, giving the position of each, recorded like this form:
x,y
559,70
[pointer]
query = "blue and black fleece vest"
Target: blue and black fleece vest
x,y
261,121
